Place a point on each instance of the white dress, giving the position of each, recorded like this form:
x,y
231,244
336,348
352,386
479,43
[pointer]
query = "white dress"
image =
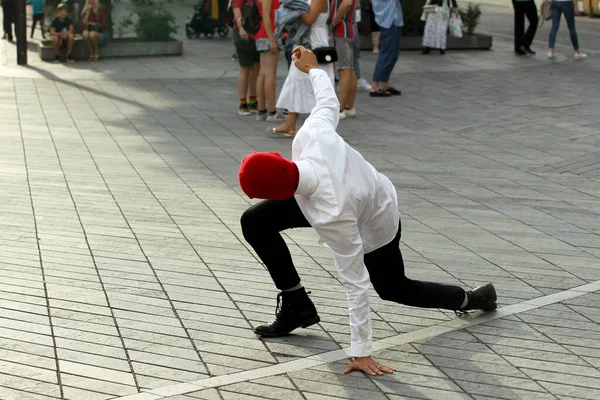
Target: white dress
x,y
297,93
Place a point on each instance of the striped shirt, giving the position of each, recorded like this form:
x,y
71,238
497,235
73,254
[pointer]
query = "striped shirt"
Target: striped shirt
x,y
345,29
388,13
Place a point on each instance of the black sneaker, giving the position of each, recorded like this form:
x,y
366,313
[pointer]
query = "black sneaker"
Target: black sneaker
x,y
244,109
70,59
252,106
56,59
520,52
530,51
481,298
261,115
294,310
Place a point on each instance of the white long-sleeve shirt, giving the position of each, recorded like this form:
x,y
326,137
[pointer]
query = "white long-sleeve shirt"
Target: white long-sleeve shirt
x,y
352,207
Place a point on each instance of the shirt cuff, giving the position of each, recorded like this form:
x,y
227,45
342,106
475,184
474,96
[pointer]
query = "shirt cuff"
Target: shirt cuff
x,y
316,72
361,349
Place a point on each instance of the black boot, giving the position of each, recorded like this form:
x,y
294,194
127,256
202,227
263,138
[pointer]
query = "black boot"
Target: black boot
x,y
481,298
294,310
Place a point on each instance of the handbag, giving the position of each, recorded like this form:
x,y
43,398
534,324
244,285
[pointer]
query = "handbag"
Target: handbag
x,y
545,11
456,26
326,55
430,8
262,45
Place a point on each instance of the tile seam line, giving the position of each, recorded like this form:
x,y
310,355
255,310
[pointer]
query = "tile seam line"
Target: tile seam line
x,y
382,344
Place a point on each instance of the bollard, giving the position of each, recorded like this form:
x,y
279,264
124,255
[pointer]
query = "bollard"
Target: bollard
x,y
21,31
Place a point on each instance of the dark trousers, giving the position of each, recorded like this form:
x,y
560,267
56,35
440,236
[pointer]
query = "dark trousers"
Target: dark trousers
x,y
38,18
262,225
10,13
525,9
389,50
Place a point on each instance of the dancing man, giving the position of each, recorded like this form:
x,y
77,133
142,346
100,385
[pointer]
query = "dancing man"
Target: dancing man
x,y
329,186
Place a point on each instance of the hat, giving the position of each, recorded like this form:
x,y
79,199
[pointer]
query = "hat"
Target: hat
x,y
268,176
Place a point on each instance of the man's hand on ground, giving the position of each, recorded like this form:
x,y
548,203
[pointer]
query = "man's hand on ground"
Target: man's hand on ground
x,y
304,59
368,366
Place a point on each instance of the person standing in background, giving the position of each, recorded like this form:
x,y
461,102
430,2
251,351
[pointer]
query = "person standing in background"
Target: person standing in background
x,y
342,22
375,32
388,15
523,40
9,12
38,16
570,8
361,82
436,25
249,60
267,46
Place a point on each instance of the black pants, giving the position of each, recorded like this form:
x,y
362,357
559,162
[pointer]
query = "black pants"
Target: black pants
x,y
10,13
36,18
263,222
525,9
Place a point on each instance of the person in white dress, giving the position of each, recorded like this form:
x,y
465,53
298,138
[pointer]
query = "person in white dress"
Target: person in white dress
x,y
297,93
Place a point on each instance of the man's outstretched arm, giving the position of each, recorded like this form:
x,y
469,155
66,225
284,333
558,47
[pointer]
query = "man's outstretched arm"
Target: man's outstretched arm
x,y
327,107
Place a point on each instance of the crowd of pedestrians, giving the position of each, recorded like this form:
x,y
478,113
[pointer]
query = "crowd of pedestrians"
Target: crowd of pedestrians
x,y
329,28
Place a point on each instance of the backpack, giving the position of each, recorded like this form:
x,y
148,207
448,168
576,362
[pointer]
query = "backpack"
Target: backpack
x,y
545,11
230,17
251,18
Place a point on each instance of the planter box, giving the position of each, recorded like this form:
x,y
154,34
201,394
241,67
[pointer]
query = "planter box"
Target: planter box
x,y
117,48
473,42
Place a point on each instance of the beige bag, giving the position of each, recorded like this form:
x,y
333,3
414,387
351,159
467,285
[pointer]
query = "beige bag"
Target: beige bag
x,y
545,11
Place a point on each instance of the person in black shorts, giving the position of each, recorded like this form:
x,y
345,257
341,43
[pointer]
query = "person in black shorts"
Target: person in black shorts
x,y
249,60
61,31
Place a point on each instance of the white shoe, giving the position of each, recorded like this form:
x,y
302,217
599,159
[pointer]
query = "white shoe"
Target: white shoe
x,y
551,55
363,84
580,56
343,115
375,50
351,113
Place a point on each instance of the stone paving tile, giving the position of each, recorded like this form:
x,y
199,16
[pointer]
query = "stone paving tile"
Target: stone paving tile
x,y
121,247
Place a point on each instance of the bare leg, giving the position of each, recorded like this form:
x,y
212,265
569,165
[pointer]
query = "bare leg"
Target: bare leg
x,y
70,40
56,45
270,79
347,93
242,83
253,78
288,127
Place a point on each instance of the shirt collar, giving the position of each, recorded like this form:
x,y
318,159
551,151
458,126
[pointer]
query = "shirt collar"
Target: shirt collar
x,y
307,185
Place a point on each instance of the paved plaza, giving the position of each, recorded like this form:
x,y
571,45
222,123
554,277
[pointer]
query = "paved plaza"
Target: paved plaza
x,y
124,273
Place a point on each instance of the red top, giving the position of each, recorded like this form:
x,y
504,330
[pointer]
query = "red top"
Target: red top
x,y
345,29
262,33
99,17
237,4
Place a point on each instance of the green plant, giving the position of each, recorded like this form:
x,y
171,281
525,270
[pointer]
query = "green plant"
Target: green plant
x,y
151,21
470,18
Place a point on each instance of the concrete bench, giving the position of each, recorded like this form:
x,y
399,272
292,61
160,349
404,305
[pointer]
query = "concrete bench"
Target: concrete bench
x,y
115,48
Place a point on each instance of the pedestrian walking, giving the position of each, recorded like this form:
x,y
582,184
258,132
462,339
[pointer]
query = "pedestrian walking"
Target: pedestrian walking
x,y
342,23
436,25
523,40
38,16
9,15
388,15
353,208
569,8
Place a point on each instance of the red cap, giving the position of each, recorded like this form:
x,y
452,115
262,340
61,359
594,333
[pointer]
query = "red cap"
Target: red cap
x,y
268,176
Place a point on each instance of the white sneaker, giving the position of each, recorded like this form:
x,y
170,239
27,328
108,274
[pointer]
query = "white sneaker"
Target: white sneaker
x,y
351,113
343,115
551,55
375,50
580,56
363,84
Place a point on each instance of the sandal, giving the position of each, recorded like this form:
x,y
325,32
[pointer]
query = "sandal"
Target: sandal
x,y
278,132
394,91
380,93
